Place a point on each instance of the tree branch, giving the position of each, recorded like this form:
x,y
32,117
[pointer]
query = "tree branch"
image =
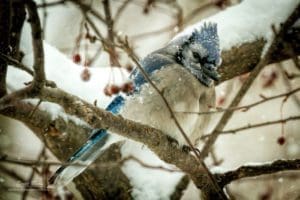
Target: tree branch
x,y
257,170
246,107
37,43
235,130
5,21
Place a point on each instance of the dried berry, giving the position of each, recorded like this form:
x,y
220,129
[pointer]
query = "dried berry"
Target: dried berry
x,y
269,79
281,140
127,87
111,89
221,100
107,91
114,89
85,75
76,58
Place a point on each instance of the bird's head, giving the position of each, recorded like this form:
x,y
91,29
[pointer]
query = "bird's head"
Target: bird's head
x,y
201,53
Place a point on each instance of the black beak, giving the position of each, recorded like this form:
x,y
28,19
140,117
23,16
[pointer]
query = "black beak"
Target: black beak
x,y
211,71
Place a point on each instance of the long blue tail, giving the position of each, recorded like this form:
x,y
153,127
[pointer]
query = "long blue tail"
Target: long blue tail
x,y
87,153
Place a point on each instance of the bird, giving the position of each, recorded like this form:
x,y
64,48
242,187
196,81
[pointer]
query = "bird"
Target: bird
x,y
184,71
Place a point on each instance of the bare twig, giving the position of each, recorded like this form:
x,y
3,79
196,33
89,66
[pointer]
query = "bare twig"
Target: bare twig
x,y
87,8
12,174
31,176
31,163
121,10
39,162
143,164
288,85
257,170
113,56
245,107
175,27
16,63
250,126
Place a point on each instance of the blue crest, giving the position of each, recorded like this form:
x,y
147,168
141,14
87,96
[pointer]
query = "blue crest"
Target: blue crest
x,y
208,37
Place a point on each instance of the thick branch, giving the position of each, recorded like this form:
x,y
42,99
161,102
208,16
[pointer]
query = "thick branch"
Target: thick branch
x,y
242,59
158,142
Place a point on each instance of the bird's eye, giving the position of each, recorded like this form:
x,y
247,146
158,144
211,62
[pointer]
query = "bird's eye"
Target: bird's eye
x,y
196,55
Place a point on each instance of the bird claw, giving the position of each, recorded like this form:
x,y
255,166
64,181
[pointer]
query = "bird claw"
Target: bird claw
x,y
172,141
186,149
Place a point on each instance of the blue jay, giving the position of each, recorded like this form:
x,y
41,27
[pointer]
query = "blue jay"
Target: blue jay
x,y
184,71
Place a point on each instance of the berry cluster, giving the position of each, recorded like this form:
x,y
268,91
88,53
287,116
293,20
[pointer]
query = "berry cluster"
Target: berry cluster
x,y
112,89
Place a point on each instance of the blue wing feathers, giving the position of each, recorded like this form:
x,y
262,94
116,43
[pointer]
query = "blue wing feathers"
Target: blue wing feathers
x,y
91,149
99,134
150,64
116,104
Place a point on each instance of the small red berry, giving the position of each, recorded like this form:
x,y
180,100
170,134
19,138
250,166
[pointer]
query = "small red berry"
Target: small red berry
x,y
281,140
269,79
111,89
221,100
114,89
85,75
127,87
107,91
76,58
